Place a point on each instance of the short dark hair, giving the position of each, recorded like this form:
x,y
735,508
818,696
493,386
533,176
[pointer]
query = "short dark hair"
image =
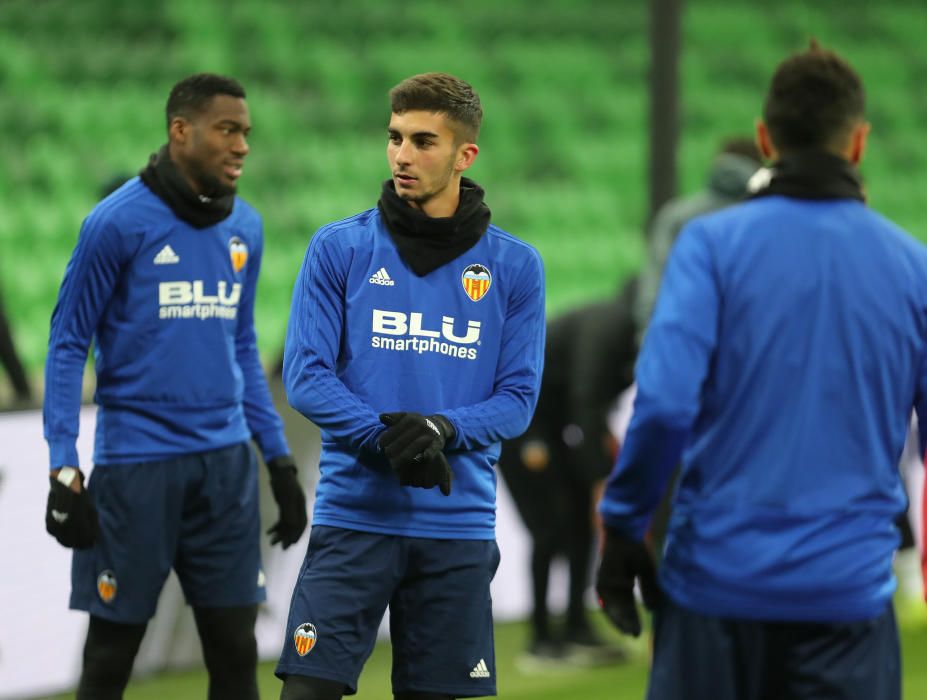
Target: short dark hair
x,y
443,93
192,95
814,100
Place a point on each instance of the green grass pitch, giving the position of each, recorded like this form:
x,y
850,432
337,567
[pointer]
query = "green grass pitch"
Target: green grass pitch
x,y
626,681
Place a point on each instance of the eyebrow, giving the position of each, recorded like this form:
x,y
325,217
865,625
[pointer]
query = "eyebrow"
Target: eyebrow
x,y
233,122
418,134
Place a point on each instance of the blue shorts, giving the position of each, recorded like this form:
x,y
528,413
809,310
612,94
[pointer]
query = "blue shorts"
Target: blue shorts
x,y
698,657
197,514
440,608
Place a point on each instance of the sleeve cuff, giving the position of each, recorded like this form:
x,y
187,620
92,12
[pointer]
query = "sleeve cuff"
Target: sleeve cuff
x,y
272,444
62,453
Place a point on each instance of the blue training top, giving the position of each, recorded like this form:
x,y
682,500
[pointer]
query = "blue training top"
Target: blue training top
x,y
787,348
170,309
367,335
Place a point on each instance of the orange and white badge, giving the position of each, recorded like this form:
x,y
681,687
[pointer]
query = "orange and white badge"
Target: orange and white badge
x,y
238,252
305,638
107,586
476,281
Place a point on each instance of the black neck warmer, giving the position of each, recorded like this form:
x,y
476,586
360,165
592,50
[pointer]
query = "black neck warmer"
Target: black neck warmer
x,y
814,175
427,243
200,211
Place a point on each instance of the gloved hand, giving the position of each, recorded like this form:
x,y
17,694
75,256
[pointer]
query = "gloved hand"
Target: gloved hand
x,y
435,472
412,437
623,561
70,516
291,500
413,443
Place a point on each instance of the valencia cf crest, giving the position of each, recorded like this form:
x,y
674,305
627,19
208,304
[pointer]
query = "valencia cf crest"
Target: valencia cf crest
x,y
106,586
239,253
476,281
304,638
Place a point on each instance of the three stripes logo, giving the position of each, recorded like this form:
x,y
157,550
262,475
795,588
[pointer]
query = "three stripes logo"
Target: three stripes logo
x,y
481,670
166,256
305,638
382,278
476,281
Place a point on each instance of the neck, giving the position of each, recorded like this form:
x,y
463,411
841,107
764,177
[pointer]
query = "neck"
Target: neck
x,y
844,154
182,169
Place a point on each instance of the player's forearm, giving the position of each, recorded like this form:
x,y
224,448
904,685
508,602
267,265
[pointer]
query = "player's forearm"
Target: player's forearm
x,y
504,416
61,408
324,399
648,456
261,416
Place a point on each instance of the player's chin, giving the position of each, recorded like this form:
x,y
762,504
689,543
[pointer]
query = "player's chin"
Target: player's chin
x,y
226,185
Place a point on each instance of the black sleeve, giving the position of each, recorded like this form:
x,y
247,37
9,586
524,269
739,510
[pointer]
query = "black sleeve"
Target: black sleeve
x,y
10,359
602,366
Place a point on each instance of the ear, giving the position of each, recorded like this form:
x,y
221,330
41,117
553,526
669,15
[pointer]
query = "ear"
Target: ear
x,y
179,130
466,154
764,141
858,140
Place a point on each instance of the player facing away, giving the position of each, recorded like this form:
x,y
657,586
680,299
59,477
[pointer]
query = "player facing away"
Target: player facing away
x,y
163,280
416,343
786,351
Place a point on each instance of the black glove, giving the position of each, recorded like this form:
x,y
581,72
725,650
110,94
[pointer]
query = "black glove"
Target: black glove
x,y
413,443
291,500
412,437
70,517
435,472
623,561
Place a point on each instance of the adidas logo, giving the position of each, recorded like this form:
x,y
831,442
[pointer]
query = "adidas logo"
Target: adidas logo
x,y
167,256
59,517
382,277
480,670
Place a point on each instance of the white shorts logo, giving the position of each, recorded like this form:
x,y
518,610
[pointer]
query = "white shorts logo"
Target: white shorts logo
x,y
481,670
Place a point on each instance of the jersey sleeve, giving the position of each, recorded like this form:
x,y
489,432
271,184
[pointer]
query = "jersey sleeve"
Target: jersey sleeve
x,y
507,413
310,355
89,280
670,373
263,421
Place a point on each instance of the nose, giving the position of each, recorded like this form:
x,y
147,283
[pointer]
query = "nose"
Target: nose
x,y
240,145
403,155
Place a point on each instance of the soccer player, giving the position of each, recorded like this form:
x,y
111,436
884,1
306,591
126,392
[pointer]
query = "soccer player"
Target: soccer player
x,y
786,351
163,280
415,342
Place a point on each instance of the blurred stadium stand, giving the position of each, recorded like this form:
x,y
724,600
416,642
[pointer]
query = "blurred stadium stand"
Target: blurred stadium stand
x,y
564,139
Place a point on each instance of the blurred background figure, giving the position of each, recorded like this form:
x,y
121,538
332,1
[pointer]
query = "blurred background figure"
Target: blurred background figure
x,y
22,390
556,470
735,164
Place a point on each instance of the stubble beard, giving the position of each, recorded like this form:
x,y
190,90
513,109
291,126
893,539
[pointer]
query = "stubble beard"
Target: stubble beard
x,y
425,197
210,186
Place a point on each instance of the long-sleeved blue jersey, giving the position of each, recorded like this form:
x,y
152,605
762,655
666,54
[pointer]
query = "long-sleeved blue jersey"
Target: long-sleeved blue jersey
x,y
170,309
786,351
366,336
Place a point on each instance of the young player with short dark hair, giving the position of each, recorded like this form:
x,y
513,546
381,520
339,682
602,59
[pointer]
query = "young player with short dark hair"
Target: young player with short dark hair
x,y
415,342
786,351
